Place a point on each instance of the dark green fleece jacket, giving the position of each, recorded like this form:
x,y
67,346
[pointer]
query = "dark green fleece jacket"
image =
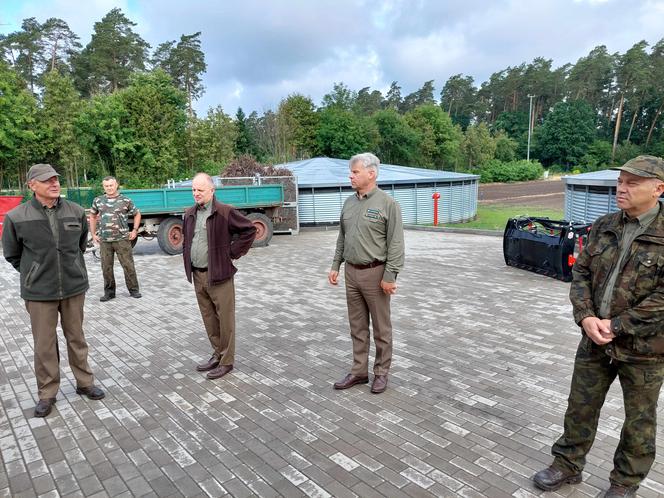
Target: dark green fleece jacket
x,y
51,268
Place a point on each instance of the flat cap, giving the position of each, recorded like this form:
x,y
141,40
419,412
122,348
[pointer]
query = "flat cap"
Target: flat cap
x,y
645,166
41,172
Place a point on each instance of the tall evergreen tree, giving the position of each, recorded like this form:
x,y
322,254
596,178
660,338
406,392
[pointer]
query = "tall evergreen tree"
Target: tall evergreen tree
x,y
457,98
368,102
114,53
244,141
24,51
184,61
423,96
632,76
60,43
393,97
656,97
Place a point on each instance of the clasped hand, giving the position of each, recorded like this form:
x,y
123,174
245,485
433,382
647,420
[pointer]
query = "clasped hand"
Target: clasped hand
x,y
599,330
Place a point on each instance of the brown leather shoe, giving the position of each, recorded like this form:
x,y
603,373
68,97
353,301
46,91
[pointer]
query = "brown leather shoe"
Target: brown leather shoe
x,y
552,478
617,491
219,372
92,392
349,381
208,365
44,407
379,384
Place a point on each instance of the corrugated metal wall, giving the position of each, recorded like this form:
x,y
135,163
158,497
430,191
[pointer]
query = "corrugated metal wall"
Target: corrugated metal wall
x,y
586,203
457,203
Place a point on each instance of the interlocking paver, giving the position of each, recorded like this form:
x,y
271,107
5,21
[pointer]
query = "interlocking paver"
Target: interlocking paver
x,y
477,392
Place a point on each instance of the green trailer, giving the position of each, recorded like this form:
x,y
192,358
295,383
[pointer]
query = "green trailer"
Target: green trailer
x,y
269,202
162,211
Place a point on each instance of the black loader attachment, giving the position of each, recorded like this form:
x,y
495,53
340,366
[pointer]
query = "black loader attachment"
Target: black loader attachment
x,y
544,246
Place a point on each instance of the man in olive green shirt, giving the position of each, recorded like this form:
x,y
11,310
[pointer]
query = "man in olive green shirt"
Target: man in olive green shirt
x,y
371,244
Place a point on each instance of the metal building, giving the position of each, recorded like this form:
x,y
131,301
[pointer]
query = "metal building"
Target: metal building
x,y
590,195
323,186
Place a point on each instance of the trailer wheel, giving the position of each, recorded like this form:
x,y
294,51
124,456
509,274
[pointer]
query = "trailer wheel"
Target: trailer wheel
x,y
169,235
264,229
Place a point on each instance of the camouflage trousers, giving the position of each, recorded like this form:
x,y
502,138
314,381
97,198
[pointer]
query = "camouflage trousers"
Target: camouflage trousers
x,y
594,372
126,258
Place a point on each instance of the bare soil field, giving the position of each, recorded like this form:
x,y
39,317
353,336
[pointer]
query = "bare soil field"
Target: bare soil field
x,y
548,194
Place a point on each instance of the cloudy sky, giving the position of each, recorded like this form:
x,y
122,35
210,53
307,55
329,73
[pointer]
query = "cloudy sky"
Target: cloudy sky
x,y
259,51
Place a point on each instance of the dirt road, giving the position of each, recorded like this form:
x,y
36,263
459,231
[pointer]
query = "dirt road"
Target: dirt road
x,y
541,193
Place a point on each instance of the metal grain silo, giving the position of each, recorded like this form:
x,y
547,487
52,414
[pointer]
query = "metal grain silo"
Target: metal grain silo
x,y
590,195
323,186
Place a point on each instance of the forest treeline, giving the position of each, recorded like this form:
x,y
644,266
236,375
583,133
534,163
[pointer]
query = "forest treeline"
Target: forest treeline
x,y
119,106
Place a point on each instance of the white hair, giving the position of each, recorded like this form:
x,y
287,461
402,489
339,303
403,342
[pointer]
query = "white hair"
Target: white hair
x,y
368,160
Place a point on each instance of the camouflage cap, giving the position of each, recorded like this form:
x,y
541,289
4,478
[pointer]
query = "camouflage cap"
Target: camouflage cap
x,y
41,172
645,166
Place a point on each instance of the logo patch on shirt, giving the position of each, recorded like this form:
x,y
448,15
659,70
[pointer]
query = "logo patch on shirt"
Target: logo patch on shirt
x,y
373,213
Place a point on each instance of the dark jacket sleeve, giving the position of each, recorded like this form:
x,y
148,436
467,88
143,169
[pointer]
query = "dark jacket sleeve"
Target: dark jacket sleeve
x,y
240,225
83,243
12,248
642,320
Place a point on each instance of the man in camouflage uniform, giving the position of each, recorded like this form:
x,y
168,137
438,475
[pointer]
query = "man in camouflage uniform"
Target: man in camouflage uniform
x,y
114,236
617,300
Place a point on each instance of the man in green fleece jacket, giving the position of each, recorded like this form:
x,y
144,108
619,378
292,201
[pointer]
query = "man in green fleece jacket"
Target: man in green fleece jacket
x,y
44,239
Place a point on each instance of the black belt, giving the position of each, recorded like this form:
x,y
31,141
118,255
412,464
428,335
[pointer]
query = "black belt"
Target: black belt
x,y
373,264
199,269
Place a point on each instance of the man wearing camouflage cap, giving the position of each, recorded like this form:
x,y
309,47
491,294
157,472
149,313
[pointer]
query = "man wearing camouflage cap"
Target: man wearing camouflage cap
x,y
617,301
113,210
44,239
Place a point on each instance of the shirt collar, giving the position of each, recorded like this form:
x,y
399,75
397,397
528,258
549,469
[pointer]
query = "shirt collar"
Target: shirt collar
x,y
644,219
57,203
368,194
204,207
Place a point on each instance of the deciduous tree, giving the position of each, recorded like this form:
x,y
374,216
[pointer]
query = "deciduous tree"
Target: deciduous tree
x,y
61,106
341,134
17,119
214,141
298,116
397,142
566,134
439,138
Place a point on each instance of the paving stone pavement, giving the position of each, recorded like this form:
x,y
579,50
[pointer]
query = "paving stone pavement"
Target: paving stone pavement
x,y
483,357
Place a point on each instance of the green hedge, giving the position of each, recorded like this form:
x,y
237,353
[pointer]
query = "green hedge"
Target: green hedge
x,y
513,171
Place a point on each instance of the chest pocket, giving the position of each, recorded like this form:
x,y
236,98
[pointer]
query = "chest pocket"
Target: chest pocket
x,y
602,256
72,226
649,265
373,215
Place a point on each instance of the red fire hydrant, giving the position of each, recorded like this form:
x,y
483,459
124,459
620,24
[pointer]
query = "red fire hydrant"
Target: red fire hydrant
x,y
435,198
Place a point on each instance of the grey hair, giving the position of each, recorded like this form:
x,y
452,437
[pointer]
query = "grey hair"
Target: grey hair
x,y
206,177
368,160
109,178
